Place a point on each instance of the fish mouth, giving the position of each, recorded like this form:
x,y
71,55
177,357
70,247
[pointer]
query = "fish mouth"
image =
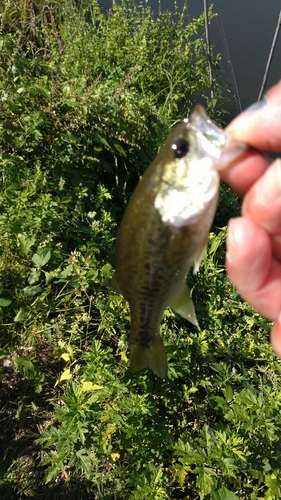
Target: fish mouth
x,y
230,152
178,206
205,129
211,141
206,140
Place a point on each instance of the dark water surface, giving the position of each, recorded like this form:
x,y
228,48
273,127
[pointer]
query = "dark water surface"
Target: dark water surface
x,y
249,27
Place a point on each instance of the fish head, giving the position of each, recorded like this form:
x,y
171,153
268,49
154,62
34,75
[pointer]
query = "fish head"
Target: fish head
x,y
187,168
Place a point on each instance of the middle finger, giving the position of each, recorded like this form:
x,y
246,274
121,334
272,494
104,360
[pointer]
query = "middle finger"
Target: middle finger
x,y
262,203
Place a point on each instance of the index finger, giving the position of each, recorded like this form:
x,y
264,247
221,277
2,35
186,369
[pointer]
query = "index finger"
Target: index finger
x,y
260,124
245,171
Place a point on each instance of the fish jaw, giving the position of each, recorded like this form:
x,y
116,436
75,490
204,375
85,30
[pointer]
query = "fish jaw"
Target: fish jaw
x,y
179,206
213,142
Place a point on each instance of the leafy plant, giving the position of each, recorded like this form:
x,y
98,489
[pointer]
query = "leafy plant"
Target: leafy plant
x,y
87,98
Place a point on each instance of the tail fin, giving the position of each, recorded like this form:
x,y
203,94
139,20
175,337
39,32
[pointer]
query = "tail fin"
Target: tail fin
x,y
153,356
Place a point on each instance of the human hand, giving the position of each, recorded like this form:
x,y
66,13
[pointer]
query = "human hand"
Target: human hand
x,y
254,240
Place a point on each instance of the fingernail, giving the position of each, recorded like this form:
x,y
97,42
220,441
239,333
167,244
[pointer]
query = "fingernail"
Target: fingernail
x,y
234,238
234,233
256,106
235,125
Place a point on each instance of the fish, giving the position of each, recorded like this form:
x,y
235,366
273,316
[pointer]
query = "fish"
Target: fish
x,y
164,231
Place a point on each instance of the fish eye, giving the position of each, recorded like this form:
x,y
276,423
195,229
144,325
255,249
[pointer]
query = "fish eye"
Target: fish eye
x,y
180,148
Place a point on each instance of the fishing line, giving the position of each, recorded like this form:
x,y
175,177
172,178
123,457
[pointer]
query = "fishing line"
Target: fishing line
x,y
230,65
270,57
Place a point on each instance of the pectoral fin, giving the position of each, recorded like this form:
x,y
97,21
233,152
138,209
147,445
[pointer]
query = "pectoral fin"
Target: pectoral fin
x,y
184,306
199,256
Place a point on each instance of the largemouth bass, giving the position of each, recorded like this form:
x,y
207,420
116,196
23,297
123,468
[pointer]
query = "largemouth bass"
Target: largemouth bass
x,y
165,229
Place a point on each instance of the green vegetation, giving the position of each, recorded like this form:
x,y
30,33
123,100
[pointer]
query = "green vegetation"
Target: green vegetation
x,y
86,101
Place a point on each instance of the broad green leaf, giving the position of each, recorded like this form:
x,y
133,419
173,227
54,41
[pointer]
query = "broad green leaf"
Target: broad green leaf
x,y
25,243
42,257
4,302
30,291
23,363
30,370
89,386
72,102
66,356
34,276
223,494
66,272
228,393
66,91
22,314
66,375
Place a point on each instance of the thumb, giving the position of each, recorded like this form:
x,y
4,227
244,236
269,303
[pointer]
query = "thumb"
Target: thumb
x,y
260,124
